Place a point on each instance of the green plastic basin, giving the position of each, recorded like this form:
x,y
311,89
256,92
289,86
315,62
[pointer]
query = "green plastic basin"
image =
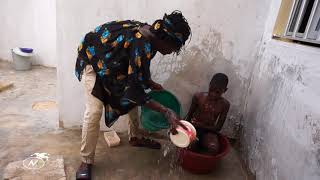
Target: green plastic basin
x,y
155,121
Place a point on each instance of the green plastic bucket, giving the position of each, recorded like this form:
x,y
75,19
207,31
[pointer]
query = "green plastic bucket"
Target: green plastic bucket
x,y
155,121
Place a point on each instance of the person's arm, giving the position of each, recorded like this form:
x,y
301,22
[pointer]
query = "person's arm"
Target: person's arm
x,y
139,75
222,118
156,106
220,121
192,109
155,86
172,117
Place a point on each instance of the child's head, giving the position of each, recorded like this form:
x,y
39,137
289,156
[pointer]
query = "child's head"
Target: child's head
x,y
172,32
218,85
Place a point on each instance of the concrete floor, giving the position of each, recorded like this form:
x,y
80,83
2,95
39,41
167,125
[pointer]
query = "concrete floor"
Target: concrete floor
x,y
24,131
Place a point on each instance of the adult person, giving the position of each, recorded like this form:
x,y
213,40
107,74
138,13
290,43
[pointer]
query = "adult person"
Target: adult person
x,y
114,60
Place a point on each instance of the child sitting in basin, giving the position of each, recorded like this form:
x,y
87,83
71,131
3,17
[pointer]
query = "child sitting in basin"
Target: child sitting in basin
x,y
208,113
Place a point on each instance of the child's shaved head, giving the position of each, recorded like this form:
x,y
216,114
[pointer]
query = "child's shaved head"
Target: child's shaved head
x,y
219,80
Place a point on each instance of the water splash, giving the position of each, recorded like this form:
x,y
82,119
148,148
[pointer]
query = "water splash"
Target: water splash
x,y
171,156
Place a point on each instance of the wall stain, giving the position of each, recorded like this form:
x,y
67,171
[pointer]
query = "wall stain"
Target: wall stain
x,y
270,143
318,157
316,137
192,70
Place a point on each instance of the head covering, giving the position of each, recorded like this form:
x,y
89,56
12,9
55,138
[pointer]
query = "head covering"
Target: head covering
x,y
171,31
168,28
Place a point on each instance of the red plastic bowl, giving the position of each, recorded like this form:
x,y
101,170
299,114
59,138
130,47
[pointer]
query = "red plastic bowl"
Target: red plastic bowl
x,y
201,163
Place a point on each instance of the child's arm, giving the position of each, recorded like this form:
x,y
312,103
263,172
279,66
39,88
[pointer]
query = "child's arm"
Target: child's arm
x,y
221,119
192,108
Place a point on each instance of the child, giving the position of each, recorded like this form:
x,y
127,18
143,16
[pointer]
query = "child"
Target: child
x,y
208,112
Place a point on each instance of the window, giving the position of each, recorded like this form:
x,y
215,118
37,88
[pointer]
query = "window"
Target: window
x,y
301,19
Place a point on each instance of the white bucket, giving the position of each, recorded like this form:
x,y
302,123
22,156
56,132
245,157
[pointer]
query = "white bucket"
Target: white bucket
x,y
184,137
21,60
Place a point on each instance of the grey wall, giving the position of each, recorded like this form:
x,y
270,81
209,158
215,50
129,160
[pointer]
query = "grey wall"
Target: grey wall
x,y
221,42
29,23
281,133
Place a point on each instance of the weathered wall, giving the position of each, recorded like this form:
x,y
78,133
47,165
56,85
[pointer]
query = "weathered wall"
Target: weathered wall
x,y
274,89
29,23
281,134
221,42
74,19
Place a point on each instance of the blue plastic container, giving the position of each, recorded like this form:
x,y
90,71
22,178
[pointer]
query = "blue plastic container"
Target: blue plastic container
x,y
26,50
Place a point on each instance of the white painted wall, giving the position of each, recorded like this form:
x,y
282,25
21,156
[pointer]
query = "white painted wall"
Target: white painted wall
x,y
29,23
74,19
221,42
281,134
274,86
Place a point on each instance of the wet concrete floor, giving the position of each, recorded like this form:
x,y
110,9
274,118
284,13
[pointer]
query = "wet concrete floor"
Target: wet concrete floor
x,y
28,124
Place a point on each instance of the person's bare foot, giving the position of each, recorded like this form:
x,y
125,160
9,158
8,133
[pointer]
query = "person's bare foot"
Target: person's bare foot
x,y
84,172
144,142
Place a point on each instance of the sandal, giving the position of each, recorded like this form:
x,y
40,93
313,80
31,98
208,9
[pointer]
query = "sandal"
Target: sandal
x,y
84,172
144,142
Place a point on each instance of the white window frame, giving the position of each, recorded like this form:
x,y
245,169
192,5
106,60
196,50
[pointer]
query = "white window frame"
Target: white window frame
x,y
312,30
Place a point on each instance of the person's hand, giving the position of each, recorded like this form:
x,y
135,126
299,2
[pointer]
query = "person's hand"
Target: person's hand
x,y
155,86
174,120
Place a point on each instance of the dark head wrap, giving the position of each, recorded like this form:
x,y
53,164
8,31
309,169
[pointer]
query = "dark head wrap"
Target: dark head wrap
x,y
173,25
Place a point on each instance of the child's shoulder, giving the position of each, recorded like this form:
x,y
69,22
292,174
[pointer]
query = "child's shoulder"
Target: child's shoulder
x,y
199,95
225,102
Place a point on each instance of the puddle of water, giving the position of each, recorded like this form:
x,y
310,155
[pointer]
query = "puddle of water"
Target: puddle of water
x,y
5,85
44,105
